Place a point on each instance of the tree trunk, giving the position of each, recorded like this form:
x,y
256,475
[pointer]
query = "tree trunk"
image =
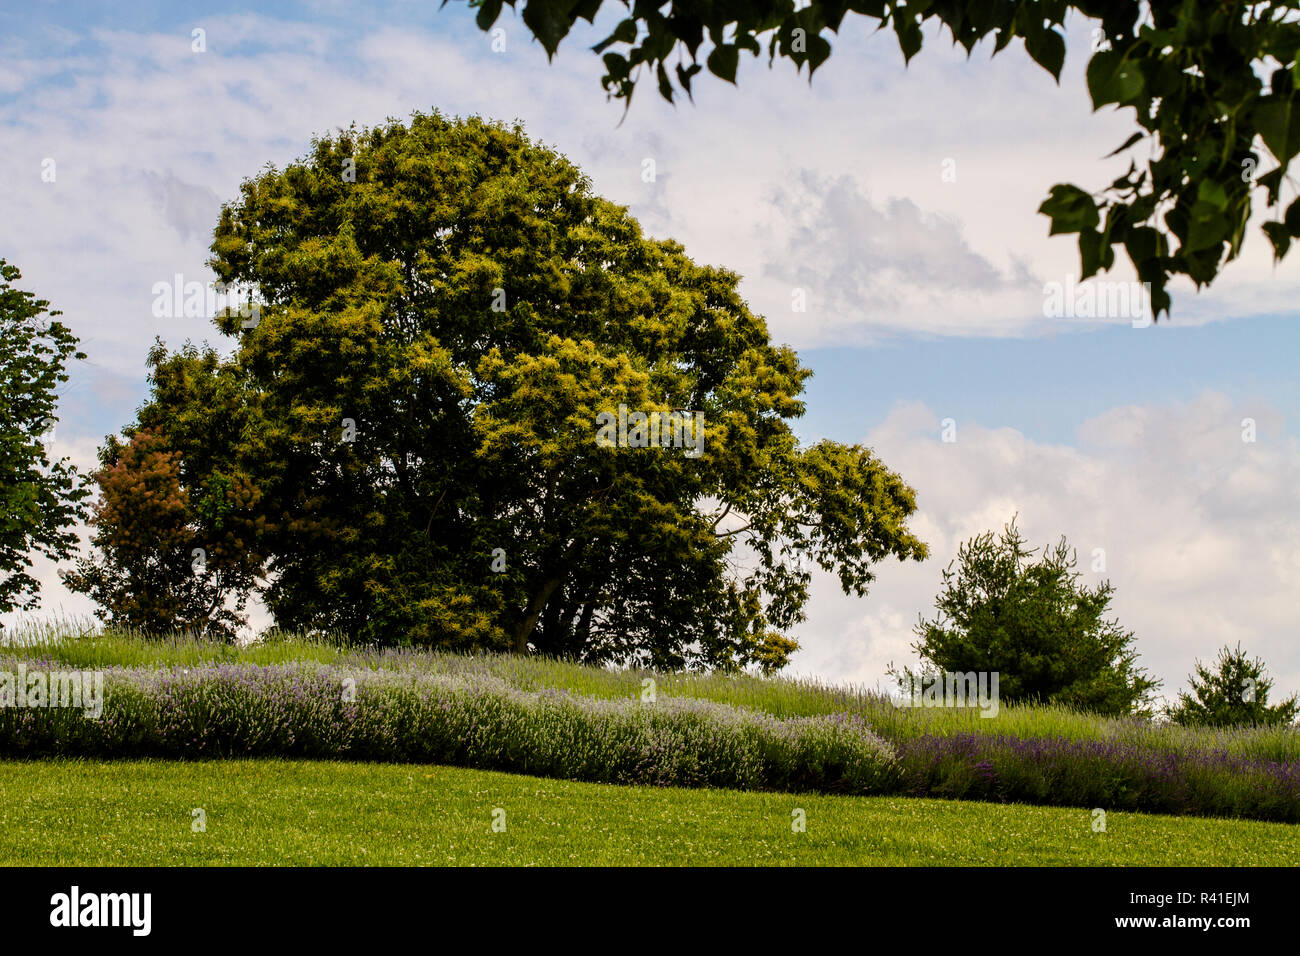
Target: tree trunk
x,y
535,608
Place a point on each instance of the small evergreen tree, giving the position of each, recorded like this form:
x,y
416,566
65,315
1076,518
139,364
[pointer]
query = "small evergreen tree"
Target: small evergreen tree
x,y
1233,695
1033,623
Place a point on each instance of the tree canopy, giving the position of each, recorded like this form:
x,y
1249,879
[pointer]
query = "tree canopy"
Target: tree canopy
x,y
1212,86
1036,625
39,499
409,441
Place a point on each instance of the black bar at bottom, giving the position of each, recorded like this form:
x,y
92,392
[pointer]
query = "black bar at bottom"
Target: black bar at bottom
x,y
217,905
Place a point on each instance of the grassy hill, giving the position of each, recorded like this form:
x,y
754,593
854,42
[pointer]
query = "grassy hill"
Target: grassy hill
x,y
712,767
276,812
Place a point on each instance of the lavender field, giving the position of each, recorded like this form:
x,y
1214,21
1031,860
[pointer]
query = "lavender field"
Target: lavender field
x,y
310,699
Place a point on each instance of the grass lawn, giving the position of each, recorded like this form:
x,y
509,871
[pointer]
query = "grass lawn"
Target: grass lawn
x,y
267,812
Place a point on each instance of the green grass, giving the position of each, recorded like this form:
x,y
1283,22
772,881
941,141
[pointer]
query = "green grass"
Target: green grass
x,y
273,812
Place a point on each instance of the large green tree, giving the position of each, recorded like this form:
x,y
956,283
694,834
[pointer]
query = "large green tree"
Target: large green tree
x,y
40,499
447,310
1212,85
1033,622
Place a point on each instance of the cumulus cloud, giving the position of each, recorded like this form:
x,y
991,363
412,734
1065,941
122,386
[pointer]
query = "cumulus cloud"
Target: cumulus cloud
x,y
864,265
188,208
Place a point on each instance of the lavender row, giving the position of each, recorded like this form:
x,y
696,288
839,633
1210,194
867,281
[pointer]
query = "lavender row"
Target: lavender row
x,y
1108,774
318,711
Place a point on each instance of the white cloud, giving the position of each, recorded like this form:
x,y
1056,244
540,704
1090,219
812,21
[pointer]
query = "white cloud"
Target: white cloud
x,y
865,267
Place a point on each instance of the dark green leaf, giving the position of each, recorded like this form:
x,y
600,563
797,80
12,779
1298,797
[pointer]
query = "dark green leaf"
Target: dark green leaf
x,y
1292,219
1048,51
1278,122
665,84
1143,244
585,9
1113,79
722,62
819,51
625,32
684,75
1272,182
488,12
1070,209
909,35
1095,253
1278,235
549,22
1207,228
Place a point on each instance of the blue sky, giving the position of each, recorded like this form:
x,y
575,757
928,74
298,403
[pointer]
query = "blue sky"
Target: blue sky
x,y
1047,386
925,291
